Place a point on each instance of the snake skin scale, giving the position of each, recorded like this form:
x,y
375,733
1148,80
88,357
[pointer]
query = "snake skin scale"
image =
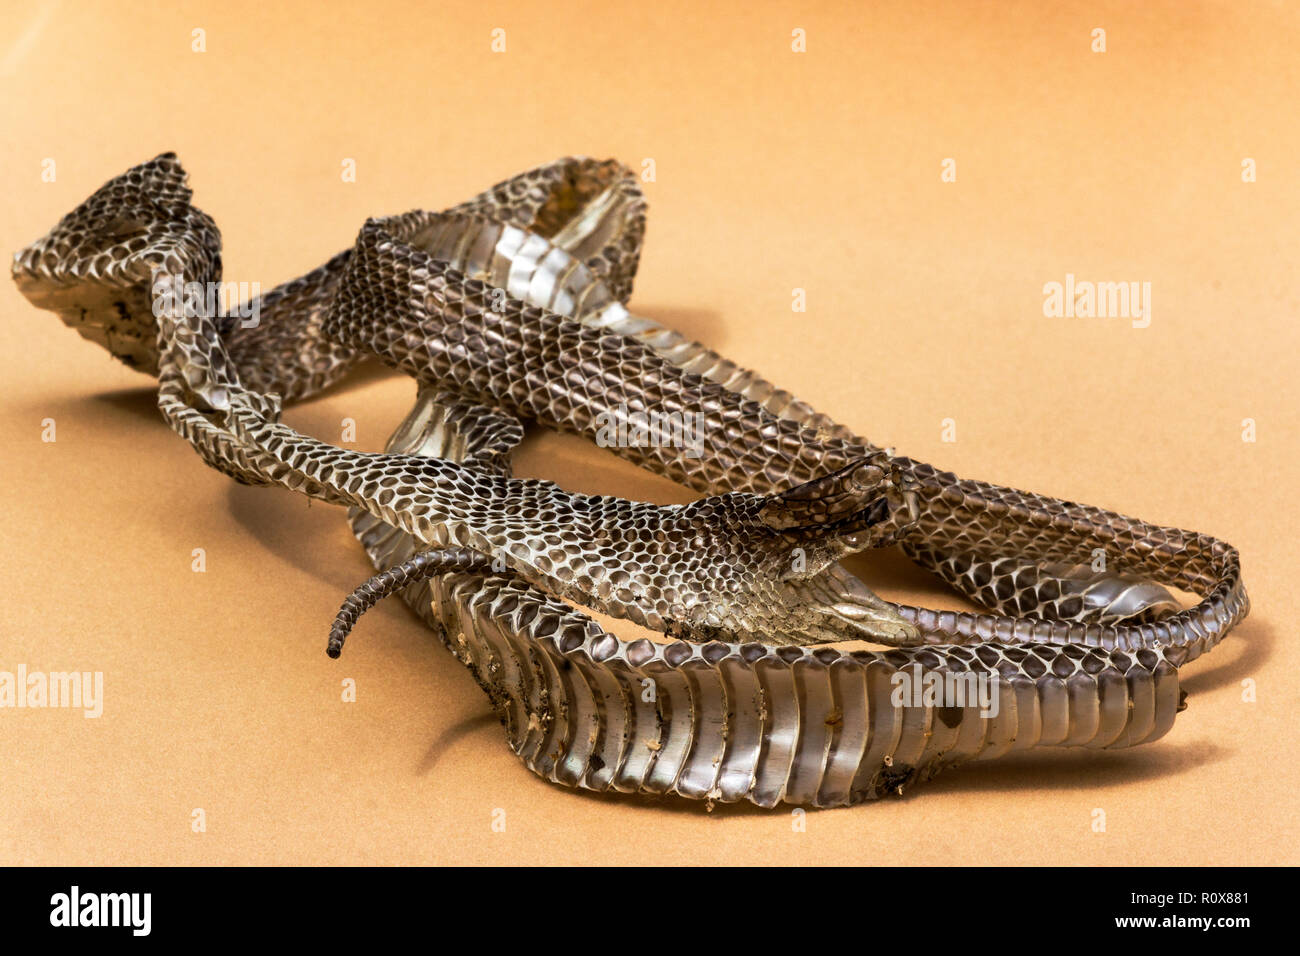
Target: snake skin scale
x,y
512,307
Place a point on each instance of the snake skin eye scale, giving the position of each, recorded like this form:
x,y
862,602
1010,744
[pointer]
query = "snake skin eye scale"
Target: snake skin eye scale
x,y
759,686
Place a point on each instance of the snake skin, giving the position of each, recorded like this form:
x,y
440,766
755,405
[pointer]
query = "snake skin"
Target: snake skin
x,y
512,307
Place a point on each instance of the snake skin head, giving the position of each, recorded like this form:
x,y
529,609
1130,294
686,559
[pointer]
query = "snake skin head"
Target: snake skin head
x,y
96,268
750,567
866,504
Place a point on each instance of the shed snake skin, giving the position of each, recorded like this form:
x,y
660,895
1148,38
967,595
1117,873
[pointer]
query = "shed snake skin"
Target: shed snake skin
x,y
511,308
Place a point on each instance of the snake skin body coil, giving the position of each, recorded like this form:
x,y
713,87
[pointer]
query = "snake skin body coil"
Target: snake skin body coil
x,y
512,307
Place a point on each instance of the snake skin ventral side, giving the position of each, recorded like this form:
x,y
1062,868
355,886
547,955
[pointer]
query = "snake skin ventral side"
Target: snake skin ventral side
x,y
512,308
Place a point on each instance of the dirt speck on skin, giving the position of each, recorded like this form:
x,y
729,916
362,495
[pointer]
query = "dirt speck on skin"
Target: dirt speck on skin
x,y
951,716
892,781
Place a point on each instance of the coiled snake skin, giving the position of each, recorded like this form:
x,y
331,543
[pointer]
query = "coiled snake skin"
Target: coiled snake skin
x,y
512,307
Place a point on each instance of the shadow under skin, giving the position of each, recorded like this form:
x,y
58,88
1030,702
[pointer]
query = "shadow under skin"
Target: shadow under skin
x,y
1060,768
1254,641
284,528
667,803
1051,768
702,325
284,525
141,403
137,403
455,734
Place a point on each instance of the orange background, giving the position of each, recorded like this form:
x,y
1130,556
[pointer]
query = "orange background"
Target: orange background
x,y
775,170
